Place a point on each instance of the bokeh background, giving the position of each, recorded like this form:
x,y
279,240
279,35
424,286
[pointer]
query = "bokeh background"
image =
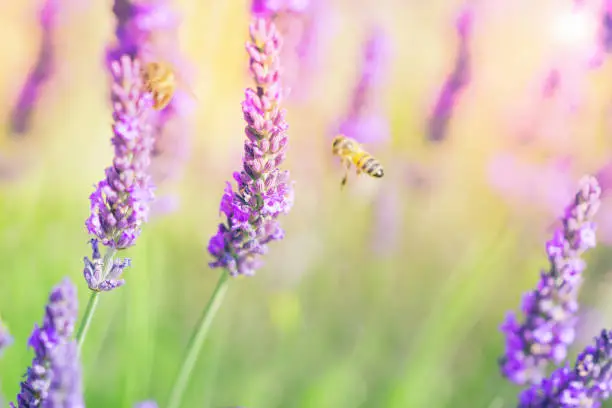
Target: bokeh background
x,y
388,293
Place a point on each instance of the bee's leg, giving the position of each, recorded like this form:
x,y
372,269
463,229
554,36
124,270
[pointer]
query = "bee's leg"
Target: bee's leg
x,y
347,166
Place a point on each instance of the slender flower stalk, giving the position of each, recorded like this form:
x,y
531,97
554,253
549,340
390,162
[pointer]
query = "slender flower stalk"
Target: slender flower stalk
x,y
456,81
364,120
587,385
264,191
54,378
197,341
120,203
551,309
21,116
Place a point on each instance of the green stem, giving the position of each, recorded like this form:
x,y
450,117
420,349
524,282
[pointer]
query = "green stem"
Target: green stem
x,y
197,341
87,317
92,304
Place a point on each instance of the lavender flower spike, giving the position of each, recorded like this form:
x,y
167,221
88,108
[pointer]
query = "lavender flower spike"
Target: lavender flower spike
x,y
5,337
120,204
586,385
550,310
54,379
456,81
364,120
264,191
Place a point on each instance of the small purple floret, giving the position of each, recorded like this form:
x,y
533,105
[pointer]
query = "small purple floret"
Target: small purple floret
x,y
264,191
54,375
586,385
550,310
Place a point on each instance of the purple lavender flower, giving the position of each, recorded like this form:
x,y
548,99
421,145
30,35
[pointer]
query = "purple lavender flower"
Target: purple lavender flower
x,y
605,29
364,121
456,81
264,191
42,70
586,385
54,378
5,337
120,204
550,310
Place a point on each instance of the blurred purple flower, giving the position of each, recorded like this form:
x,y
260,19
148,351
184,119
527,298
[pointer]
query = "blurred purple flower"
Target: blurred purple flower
x,y
5,337
264,191
148,30
364,120
146,404
54,380
21,116
550,310
266,8
605,30
548,186
456,81
304,29
586,385
120,204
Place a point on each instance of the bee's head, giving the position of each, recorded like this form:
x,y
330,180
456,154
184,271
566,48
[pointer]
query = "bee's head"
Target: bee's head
x,y
337,141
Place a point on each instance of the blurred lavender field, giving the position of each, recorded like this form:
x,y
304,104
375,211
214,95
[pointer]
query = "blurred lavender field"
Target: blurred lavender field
x,y
389,293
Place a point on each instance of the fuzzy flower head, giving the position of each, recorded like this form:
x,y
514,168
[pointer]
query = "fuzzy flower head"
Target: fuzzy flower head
x,y
120,204
263,190
54,375
5,337
263,8
550,310
587,385
457,79
364,120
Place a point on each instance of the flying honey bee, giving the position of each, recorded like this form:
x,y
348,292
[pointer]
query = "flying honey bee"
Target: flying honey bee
x,y
161,81
351,152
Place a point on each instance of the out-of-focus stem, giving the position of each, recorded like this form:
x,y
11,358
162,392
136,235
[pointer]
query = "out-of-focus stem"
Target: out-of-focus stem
x,y
197,341
87,317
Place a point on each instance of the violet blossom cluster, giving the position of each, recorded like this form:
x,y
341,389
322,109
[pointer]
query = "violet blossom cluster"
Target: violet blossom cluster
x,y
5,337
456,81
149,31
264,190
550,310
364,120
120,203
21,115
587,384
54,378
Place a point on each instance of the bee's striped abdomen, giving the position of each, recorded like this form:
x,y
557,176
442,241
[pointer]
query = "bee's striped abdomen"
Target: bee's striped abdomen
x,y
369,165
